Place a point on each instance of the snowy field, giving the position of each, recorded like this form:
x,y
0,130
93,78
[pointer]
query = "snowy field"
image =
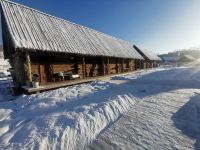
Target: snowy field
x,y
152,109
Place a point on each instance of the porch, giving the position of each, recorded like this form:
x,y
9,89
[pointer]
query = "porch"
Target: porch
x,y
55,85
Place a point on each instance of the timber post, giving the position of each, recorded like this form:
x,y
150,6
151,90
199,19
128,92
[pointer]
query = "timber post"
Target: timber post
x,y
131,65
28,67
108,65
83,66
103,66
140,64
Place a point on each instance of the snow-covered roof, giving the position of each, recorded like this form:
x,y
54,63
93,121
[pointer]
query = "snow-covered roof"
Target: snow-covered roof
x,y
33,30
189,57
170,58
149,54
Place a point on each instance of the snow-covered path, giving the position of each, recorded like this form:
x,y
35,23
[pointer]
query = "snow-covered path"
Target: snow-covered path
x,y
150,125
166,117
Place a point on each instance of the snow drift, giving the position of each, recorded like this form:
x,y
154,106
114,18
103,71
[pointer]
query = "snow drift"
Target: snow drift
x,y
66,118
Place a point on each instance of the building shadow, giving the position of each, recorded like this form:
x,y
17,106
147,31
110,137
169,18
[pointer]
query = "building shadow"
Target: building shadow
x,y
187,119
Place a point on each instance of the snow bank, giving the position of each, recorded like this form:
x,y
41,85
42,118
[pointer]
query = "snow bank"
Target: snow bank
x,y
66,118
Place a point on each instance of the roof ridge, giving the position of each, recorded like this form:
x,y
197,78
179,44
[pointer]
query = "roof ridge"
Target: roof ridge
x,y
41,12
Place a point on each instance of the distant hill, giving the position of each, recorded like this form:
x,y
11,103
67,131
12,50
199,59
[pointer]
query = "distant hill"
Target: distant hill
x,y
194,53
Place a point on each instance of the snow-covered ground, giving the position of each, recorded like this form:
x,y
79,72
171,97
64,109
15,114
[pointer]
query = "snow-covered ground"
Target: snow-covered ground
x,y
142,107
4,66
167,116
166,121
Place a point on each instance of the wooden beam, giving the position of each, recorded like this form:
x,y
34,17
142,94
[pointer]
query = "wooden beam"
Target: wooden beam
x,y
28,67
117,66
83,66
131,65
108,65
103,66
122,65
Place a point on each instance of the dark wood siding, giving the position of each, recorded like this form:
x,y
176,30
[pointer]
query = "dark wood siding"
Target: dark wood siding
x,y
47,66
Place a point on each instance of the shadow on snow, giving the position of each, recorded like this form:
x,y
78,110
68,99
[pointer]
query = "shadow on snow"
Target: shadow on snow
x,y
187,119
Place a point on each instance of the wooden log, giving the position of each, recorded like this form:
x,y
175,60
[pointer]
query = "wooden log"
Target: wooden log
x,y
83,66
102,67
28,65
35,68
122,65
108,66
130,65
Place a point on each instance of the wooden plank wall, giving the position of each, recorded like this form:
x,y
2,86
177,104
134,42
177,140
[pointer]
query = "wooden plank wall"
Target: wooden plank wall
x,y
19,71
107,66
113,65
80,67
35,68
132,63
128,65
144,65
93,67
137,64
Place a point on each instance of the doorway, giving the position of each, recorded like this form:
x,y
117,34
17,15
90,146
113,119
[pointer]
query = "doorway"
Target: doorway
x,y
45,73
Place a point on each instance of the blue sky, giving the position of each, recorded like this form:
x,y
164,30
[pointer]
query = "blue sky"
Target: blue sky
x,y
158,25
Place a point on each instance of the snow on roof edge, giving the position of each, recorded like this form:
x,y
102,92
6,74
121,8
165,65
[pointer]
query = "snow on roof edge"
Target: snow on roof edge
x,y
122,42
149,54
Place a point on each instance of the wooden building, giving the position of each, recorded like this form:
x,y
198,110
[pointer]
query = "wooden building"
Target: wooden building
x,y
38,44
151,60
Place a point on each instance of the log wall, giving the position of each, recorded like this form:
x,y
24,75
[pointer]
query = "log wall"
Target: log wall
x,y
35,68
19,71
93,66
84,66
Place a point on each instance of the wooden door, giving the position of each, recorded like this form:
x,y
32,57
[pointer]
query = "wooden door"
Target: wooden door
x,y
45,73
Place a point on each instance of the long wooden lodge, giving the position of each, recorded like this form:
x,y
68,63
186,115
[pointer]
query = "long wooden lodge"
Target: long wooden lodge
x,y
38,44
150,59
